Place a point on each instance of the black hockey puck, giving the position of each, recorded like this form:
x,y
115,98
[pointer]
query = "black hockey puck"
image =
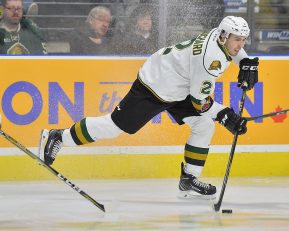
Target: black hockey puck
x,y
227,211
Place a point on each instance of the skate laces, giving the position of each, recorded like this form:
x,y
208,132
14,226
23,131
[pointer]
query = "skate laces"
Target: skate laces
x,y
56,147
201,184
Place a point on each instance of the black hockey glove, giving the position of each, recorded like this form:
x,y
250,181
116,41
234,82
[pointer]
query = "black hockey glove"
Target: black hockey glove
x,y
248,74
233,122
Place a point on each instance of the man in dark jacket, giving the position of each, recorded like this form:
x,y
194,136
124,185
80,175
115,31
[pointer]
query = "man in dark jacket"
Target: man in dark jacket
x,y
93,37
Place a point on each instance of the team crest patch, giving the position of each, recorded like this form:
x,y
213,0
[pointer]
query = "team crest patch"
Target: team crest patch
x,y
18,49
215,65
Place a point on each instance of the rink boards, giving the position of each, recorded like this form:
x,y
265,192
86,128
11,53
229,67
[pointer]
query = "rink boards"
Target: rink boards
x,y
54,92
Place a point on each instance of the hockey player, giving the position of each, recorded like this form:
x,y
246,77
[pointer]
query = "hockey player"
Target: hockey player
x,y
179,79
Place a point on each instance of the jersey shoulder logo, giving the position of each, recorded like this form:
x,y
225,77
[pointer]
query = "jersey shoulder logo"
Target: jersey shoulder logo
x,y
215,65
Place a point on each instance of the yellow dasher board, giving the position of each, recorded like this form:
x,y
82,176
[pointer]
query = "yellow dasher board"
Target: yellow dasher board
x,y
54,92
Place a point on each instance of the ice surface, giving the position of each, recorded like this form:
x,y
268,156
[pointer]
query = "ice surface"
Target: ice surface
x,y
143,204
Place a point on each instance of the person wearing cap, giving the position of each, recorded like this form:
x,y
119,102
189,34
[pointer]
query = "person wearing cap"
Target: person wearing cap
x,y
179,79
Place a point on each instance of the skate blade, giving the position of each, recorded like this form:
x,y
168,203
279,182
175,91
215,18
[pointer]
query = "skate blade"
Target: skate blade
x,y
195,195
43,139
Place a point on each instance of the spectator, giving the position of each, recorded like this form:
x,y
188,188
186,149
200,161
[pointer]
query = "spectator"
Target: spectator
x,y
140,34
120,9
30,8
116,8
17,34
93,37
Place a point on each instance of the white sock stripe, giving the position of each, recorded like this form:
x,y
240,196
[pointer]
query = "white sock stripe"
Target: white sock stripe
x,y
193,169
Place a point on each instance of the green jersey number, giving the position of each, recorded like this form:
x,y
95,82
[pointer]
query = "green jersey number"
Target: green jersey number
x,y
206,87
179,46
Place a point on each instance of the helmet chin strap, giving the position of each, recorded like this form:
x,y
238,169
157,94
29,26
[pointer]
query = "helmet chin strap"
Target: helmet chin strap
x,y
222,42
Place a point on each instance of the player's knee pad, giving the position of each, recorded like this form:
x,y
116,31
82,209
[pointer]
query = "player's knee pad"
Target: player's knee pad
x,y
103,127
206,126
203,127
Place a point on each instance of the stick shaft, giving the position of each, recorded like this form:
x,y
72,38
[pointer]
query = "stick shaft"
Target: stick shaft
x,y
217,206
268,115
52,170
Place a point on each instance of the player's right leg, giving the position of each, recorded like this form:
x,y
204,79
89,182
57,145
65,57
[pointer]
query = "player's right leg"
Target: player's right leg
x,y
191,187
196,150
84,131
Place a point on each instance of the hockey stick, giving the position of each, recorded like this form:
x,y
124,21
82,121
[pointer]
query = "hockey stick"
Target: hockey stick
x,y
268,115
217,206
50,169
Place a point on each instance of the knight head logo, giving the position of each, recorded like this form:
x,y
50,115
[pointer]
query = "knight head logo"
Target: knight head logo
x,y
215,65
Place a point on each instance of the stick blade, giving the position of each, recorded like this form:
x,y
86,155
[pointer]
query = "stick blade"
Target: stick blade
x,y
216,207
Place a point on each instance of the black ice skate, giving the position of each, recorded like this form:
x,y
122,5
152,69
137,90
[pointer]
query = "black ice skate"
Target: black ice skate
x,y
191,187
53,143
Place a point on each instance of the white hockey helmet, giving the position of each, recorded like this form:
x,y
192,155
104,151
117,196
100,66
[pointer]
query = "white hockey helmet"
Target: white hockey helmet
x,y
233,25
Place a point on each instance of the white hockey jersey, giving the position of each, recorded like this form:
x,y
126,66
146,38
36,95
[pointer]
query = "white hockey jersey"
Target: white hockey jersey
x,y
189,68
